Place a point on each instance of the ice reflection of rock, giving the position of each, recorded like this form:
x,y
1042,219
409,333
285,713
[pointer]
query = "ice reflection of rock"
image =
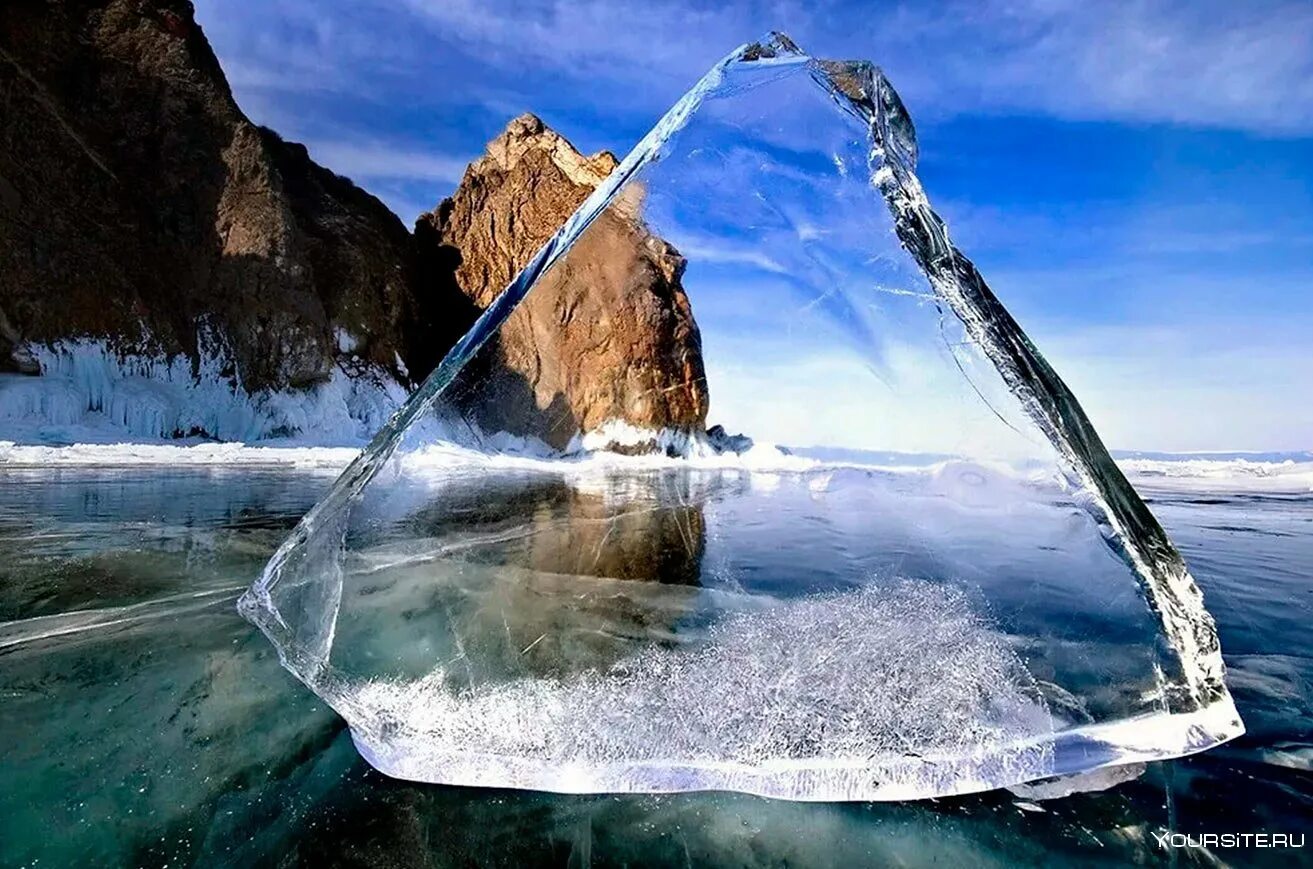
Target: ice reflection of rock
x,y
897,690
512,574
613,526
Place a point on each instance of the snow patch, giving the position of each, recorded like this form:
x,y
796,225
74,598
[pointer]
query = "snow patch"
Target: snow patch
x,y
1230,474
332,459
618,435
86,392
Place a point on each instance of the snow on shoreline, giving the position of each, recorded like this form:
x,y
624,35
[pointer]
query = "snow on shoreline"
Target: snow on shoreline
x,y
89,393
1232,474
92,407
1186,472
507,453
14,455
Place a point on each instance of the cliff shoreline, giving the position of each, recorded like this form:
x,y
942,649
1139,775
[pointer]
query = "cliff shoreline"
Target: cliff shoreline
x,y
171,270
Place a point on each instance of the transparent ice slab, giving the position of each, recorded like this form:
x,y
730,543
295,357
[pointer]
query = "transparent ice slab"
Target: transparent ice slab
x,y
923,576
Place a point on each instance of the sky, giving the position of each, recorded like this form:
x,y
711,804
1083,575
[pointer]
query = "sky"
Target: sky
x,y
1134,180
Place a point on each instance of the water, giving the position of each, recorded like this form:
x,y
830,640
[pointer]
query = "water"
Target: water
x,y
146,724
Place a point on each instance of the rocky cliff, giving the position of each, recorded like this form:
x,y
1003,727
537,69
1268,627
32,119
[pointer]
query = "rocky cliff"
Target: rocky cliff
x,y
608,334
142,211
139,202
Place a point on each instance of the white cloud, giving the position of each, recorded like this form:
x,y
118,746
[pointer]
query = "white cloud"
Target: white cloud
x,y
715,251
623,39
1215,64
1247,66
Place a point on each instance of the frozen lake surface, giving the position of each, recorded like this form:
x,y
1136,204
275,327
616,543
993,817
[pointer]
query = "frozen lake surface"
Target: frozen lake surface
x,y
147,723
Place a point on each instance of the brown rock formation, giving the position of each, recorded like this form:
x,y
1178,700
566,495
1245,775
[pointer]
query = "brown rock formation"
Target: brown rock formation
x,y
608,334
139,205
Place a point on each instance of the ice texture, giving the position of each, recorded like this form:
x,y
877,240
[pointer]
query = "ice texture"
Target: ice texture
x,y
90,393
918,572
733,713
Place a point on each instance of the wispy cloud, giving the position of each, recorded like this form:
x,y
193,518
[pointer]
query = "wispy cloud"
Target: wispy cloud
x,y
1211,63
714,251
1248,66
622,39
410,180
366,161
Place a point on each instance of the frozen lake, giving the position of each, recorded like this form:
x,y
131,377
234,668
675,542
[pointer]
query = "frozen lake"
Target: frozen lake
x,y
148,723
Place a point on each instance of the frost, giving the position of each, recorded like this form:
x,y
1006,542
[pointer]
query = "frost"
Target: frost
x,y
732,712
86,392
938,582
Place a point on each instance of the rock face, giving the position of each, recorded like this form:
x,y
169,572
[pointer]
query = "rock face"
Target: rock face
x,y
139,205
141,209
607,335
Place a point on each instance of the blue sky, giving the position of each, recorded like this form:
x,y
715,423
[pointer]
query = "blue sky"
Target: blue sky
x,y
1134,179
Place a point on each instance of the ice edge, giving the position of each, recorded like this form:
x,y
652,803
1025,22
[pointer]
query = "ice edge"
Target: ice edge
x,y
1169,588
861,88
381,447
1118,743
